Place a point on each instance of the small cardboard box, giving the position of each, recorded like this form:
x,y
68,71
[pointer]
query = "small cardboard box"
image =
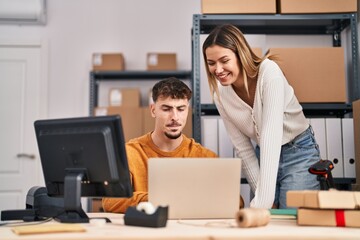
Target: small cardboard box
x,y
257,51
149,122
327,217
150,99
316,74
238,6
356,117
317,6
108,62
126,97
131,118
323,199
96,205
161,61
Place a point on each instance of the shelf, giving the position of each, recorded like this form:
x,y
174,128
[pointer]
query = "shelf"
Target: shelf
x,y
344,183
278,24
326,109
309,109
138,75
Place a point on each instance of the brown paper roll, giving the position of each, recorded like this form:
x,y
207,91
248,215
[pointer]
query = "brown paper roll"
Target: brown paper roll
x,y
252,217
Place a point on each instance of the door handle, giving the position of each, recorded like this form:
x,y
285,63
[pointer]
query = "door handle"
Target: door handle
x,y
25,155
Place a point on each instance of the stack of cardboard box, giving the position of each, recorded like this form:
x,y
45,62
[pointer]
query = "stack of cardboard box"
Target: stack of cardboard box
x,y
277,6
126,103
326,208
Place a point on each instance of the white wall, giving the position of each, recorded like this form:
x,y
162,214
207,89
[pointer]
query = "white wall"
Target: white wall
x,y
77,28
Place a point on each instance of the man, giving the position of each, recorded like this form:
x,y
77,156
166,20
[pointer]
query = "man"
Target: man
x,y
170,109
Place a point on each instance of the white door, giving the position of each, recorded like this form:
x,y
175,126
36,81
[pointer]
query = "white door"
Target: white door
x,y
21,96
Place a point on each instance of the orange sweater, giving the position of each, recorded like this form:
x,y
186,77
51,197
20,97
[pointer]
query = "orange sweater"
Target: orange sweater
x,y
139,150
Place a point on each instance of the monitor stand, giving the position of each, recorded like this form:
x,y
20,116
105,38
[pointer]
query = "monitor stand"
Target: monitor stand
x,y
73,212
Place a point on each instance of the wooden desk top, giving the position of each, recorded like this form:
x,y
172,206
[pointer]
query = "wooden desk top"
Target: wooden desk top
x,y
192,229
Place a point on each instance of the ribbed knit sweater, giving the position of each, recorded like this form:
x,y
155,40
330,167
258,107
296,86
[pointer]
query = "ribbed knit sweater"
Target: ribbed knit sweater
x,y
138,151
275,119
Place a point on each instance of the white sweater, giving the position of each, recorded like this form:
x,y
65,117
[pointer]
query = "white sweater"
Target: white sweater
x,y
275,119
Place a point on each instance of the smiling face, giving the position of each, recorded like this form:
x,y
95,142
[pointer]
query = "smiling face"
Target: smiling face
x,y
223,64
170,116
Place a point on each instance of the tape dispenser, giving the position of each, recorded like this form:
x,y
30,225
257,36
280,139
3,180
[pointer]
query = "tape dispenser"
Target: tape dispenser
x,y
146,215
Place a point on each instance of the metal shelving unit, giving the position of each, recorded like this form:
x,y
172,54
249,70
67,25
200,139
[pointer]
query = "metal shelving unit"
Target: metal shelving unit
x,y
305,24
97,77
310,109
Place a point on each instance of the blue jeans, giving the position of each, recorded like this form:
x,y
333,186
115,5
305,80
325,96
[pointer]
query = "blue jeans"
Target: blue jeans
x,y
295,159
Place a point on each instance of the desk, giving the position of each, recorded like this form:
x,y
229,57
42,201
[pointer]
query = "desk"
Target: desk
x,y
193,229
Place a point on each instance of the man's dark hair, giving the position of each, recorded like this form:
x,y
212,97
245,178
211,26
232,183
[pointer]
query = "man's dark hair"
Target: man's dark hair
x,y
171,87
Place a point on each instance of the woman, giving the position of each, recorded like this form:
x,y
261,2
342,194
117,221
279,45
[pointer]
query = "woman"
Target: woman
x,y
256,103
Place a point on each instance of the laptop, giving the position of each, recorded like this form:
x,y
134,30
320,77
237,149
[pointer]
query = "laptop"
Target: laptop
x,y
195,188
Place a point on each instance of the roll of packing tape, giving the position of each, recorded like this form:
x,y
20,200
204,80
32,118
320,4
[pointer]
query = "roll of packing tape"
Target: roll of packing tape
x,y
252,217
146,207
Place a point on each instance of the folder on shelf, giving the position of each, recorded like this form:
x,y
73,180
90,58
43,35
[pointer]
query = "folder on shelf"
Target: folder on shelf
x,y
334,146
348,147
209,132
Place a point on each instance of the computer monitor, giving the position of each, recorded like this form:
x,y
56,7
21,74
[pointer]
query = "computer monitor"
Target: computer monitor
x,y
83,157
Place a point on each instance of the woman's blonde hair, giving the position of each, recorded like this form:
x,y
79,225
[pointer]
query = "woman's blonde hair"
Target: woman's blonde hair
x,y
230,37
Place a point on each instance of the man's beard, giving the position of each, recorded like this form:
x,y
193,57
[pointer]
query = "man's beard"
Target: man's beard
x,y
172,136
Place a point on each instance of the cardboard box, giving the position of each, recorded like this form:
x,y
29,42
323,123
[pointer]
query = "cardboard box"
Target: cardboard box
x,y
332,199
316,74
356,117
96,205
161,61
326,217
149,122
150,99
108,62
238,6
126,97
257,51
131,118
317,6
